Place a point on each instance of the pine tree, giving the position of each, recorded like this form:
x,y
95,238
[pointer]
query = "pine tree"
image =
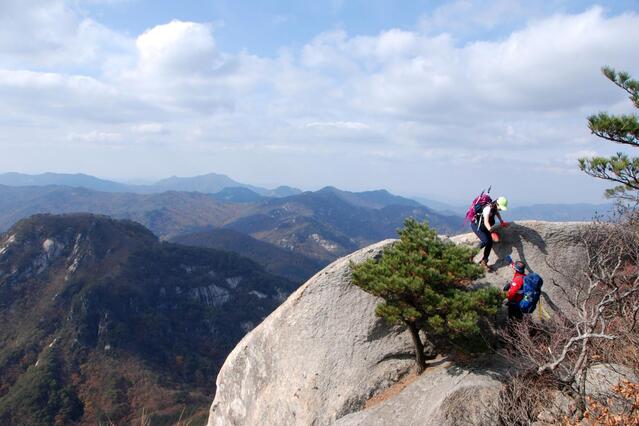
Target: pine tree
x,y
622,129
420,279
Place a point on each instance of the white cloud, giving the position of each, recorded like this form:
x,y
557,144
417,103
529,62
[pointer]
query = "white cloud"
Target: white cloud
x,y
49,34
398,98
150,129
350,125
465,16
178,49
95,136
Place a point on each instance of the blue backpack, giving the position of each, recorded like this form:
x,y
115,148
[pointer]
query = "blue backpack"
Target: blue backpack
x,y
532,292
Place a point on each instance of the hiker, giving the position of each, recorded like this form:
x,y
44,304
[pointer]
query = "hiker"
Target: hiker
x,y
482,221
523,292
514,289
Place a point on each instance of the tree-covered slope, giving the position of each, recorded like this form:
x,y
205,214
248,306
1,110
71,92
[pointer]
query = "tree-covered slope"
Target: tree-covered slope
x,y
274,259
101,321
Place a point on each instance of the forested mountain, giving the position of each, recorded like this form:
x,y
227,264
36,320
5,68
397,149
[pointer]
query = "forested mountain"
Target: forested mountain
x,y
327,224
102,322
274,259
165,214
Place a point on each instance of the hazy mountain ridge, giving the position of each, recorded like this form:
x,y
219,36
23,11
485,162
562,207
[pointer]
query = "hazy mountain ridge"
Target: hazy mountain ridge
x,y
322,225
238,195
166,214
227,190
552,212
560,212
208,184
74,180
102,320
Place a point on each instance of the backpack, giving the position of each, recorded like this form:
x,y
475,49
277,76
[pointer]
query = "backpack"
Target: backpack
x,y
532,292
478,204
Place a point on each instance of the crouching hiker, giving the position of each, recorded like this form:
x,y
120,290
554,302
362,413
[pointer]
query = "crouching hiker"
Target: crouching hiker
x,y
514,289
523,292
481,215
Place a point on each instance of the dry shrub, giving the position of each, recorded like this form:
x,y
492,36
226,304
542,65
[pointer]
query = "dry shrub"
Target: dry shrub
x,y
523,397
600,309
597,324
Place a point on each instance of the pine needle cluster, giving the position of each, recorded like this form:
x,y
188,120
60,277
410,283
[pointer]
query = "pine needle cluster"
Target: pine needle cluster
x,y
621,129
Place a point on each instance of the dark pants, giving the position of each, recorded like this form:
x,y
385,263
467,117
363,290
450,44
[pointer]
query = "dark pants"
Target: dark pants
x,y
485,238
514,313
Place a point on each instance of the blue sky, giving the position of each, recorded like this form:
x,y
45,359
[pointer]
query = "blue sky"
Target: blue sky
x,y
263,27
419,97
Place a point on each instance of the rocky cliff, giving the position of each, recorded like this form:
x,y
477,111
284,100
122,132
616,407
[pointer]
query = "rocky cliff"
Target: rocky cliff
x,y
323,354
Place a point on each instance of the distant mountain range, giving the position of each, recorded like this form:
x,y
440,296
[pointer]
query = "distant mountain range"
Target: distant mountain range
x,y
321,225
101,321
227,190
238,195
329,223
208,184
548,211
166,213
560,212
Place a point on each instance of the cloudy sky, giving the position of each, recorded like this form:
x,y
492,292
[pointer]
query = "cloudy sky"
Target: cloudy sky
x,y
419,97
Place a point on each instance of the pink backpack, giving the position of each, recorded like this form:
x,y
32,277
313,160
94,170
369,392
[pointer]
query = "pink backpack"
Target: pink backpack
x,y
477,206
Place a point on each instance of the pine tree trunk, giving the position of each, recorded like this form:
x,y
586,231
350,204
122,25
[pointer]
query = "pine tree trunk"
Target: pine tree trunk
x,y
419,347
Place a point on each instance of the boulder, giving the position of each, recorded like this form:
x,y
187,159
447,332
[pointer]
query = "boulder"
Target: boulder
x,y
443,395
319,356
602,378
545,248
323,353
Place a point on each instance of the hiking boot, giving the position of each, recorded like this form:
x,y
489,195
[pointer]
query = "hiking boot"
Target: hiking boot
x,y
484,265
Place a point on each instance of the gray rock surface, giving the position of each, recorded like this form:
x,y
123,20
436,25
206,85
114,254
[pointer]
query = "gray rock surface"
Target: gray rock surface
x,y
322,354
543,246
443,395
319,356
602,378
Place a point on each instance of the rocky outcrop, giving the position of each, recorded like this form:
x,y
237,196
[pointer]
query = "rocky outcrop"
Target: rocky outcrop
x,y
444,395
323,353
551,249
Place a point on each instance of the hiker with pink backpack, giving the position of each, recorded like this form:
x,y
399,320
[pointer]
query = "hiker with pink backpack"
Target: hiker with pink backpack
x,y
481,216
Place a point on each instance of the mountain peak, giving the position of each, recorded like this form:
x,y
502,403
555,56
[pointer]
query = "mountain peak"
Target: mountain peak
x,y
101,226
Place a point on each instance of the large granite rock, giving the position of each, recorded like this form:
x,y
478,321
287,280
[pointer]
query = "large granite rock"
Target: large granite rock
x,y
323,353
550,249
443,395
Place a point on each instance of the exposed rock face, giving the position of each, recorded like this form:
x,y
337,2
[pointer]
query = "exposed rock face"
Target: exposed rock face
x,y
443,395
543,246
301,366
322,354
602,378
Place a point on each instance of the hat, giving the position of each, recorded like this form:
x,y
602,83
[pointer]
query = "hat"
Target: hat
x,y
502,203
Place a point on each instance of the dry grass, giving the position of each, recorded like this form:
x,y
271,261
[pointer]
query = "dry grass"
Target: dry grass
x,y
523,398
